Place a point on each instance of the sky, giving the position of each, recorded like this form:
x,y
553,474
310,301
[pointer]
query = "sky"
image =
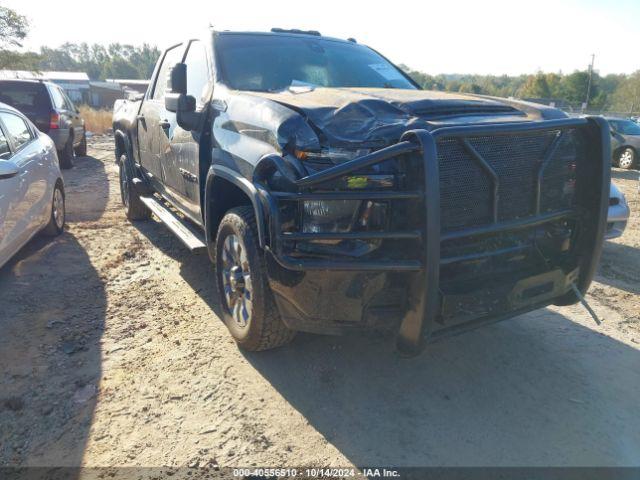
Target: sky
x,y
446,36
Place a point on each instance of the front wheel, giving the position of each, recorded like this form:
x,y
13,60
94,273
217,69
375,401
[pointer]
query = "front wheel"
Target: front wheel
x,y
248,308
627,158
58,213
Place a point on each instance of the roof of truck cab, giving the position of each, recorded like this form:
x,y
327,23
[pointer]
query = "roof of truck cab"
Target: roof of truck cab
x,y
285,34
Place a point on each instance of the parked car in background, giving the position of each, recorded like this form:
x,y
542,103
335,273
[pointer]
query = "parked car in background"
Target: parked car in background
x,y
52,112
618,214
625,142
31,186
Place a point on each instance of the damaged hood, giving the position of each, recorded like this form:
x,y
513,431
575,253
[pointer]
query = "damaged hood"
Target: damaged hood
x,y
378,116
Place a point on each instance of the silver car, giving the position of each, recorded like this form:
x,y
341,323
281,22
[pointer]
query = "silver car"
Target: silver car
x,y
31,186
618,214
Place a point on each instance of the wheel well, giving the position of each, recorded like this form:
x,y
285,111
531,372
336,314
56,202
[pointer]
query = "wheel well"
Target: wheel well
x,y
624,147
224,196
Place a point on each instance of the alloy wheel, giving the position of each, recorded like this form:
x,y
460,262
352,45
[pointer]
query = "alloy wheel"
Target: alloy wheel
x,y
236,280
58,208
626,159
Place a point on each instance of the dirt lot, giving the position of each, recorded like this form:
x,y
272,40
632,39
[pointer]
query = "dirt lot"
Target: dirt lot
x,y
112,354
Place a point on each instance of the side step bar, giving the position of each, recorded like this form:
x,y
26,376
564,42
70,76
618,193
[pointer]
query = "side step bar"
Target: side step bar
x,y
188,235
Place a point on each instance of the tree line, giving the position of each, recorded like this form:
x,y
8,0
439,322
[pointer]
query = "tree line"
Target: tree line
x,y
116,60
99,62
613,92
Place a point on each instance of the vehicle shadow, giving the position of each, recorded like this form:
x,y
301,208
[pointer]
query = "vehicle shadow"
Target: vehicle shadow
x,y
621,174
535,390
620,267
196,270
87,189
52,316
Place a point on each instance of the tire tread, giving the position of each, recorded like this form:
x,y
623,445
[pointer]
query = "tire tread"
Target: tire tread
x,y
273,333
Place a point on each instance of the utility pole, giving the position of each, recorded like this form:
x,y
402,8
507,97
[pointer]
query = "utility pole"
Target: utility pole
x,y
586,102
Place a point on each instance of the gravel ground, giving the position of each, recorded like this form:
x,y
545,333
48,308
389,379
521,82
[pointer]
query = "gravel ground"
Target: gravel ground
x,y
112,354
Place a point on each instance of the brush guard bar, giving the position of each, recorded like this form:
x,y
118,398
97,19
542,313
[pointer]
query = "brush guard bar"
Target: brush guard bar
x,y
417,325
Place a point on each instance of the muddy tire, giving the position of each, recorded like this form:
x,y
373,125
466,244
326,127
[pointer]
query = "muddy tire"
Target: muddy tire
x,y
133,206
81,150
248,308
65,156
58,212
626,158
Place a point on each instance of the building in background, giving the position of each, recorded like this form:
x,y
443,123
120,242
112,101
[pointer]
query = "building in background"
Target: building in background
x,y
105,94
77,85
131,86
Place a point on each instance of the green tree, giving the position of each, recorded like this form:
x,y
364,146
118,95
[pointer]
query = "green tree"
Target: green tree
x,y
626,97
536,86
13,28
470,87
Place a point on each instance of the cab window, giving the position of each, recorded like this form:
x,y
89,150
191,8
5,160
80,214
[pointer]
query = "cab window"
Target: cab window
x,y
197,71
5,151
173,56
58,99
17,128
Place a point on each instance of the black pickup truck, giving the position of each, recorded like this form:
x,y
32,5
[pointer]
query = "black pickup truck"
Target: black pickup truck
x,y
333,194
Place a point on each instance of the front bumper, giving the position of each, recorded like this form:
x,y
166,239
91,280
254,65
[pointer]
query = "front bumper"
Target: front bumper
x,y
415,266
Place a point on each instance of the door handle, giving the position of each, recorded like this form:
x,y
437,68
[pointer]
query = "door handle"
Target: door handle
x,y
165,124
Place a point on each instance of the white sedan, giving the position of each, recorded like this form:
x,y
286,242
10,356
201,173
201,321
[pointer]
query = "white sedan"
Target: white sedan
x,y
31,186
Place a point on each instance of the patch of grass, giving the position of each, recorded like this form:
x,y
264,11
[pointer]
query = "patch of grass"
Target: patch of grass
x,y
96,121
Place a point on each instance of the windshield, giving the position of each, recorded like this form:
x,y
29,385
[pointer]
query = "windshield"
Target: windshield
x,y
270,63
625,127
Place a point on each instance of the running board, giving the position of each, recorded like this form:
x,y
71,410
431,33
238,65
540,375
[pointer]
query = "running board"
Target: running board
x,y
191,239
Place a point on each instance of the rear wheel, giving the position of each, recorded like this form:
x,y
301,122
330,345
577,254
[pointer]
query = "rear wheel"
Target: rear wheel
x,y
81,150
133,206
66,154
58,212
626,158
248,307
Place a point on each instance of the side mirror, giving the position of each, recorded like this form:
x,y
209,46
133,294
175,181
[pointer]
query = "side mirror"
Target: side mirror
x,y
177,100
8,169
177,81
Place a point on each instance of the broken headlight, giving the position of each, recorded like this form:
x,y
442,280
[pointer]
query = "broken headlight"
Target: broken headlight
x,y
330,156
342,216
333,216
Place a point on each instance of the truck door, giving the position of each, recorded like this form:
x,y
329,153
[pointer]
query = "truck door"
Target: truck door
x,y
181,155
151,134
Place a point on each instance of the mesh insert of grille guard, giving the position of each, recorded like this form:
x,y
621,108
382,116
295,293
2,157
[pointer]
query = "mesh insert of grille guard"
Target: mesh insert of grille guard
x,y
466,190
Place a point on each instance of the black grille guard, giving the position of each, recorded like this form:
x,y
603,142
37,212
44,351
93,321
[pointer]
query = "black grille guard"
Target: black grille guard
x,y
421,145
